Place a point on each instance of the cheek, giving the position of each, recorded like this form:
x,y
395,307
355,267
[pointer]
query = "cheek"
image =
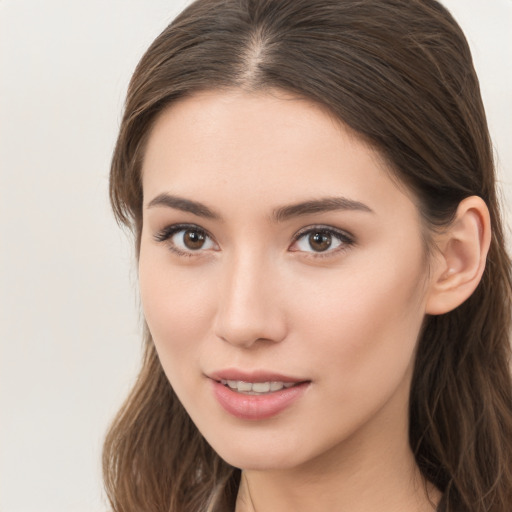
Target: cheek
x,y
176,307
364,325
177,312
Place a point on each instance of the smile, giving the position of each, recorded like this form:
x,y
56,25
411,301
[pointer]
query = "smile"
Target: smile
x,y
256,388
256,396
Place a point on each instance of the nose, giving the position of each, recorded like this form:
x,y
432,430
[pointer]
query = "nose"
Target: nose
x,y
249,310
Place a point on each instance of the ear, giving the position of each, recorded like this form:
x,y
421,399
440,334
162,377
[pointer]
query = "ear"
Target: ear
x,y
460,263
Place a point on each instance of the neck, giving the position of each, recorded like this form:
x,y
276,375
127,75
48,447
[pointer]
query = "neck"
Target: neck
x,y
358,490
373,470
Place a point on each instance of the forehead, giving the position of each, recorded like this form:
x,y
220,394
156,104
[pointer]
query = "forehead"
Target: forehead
x,y
270,148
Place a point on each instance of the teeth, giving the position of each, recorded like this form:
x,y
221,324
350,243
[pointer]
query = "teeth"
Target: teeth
x,y
256,388
276,386
244,386
261,387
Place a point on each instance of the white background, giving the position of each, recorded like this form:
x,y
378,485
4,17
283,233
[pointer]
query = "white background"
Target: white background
x,y
69,315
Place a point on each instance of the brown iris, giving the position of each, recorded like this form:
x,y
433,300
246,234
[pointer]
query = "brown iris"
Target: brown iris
x,y
320,241
193,239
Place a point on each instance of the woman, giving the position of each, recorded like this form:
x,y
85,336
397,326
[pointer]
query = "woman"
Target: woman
x,y
311,188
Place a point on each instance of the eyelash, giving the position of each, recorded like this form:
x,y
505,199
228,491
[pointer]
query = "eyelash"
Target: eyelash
x,y
168,232
345,239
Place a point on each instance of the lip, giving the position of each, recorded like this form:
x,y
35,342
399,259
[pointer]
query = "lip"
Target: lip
x,y
253,376
256,407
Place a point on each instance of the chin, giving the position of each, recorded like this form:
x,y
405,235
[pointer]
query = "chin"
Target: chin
x,y
260,455
259,462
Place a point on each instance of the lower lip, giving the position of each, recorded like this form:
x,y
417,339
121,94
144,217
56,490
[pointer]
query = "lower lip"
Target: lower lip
x,y
257,407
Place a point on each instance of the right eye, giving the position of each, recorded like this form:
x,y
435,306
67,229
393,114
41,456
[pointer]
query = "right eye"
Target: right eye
x,y
185,240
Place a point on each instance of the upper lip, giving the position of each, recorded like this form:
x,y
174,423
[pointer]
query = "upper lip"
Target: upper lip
x,y
252,376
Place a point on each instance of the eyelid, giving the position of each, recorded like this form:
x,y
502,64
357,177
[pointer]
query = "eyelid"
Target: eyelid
x,y
346,239
172,229
165,234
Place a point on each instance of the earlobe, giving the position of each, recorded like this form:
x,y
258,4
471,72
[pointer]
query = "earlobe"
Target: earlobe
x,y
463,249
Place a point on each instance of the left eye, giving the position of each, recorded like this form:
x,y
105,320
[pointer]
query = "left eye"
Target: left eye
x,y
320,240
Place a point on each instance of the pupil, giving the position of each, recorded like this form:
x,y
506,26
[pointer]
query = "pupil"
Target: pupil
x,y
193,239
320,241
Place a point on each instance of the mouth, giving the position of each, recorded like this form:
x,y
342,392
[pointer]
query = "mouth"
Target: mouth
x,y
256,388
256,395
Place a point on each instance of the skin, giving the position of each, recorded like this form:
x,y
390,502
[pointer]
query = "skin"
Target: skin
x,y
254,298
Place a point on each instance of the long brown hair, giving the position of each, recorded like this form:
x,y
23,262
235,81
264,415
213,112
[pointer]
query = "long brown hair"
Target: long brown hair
x,y
400,74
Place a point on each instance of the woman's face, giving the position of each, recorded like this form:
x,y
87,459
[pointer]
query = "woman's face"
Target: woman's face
x,y
283,279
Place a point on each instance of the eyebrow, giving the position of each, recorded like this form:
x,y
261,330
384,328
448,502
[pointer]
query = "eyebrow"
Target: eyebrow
x,y
185,205
280,214
326,204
